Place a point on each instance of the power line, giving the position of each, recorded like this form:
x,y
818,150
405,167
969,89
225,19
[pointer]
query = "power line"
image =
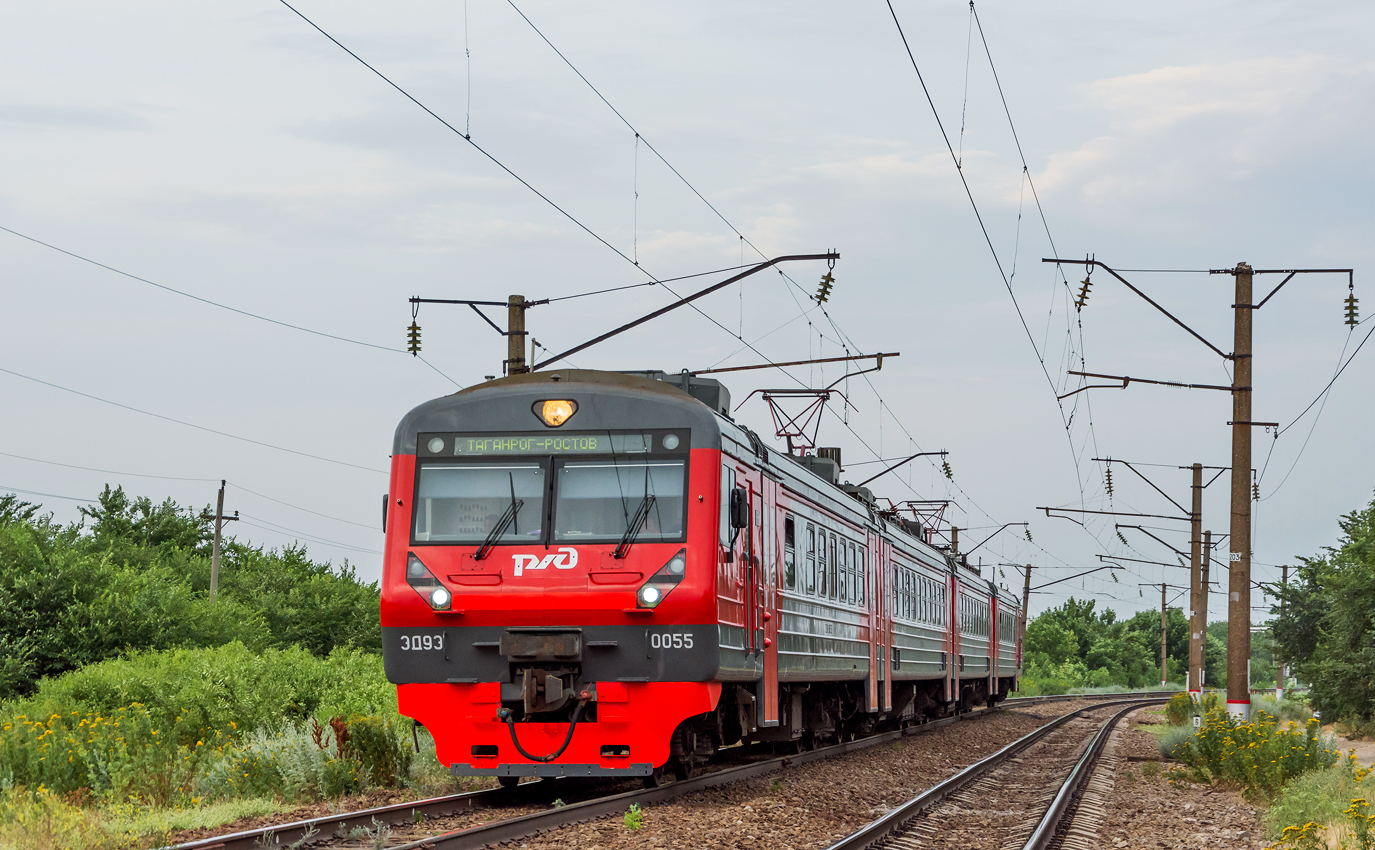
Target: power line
x,y
189,424
311,537
180,478
211,303
1322,396
299,508
45,495
105,471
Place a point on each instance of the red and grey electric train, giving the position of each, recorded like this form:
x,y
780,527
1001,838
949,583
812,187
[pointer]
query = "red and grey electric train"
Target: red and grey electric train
x,y
600,573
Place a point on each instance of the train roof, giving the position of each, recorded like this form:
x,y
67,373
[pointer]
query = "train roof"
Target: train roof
x,y
651,399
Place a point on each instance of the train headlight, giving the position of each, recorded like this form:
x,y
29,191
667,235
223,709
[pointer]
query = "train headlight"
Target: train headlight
x,y
555,412
419,577
652,592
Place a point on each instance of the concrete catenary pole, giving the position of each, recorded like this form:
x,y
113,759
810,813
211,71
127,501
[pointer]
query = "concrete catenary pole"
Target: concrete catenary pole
x,y
1203,612
1239,558
515,335
215,550
1196,622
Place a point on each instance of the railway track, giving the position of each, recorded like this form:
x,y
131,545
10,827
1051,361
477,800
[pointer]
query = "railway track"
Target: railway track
x,y
526,809
1001,802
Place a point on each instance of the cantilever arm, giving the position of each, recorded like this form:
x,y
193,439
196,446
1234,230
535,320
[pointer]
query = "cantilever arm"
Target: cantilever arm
x,y
1148,299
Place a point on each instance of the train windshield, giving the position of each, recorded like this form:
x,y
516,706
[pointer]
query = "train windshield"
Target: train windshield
x,y
597,500
465,502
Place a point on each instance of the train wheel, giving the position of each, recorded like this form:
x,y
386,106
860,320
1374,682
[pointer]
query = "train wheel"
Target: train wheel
x,y
655,779
681,770
508,781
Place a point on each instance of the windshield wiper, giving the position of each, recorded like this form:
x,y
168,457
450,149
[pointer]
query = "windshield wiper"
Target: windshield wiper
x,y
507,518
632,530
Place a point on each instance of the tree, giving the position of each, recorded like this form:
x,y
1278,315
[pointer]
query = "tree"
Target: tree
x,y
1325,625
138,578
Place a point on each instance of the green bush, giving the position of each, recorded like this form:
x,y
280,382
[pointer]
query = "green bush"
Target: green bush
x,y
153,725
374,741
1259,756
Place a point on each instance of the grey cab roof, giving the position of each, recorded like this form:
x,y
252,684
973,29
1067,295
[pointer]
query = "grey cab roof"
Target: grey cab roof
x,y
606,400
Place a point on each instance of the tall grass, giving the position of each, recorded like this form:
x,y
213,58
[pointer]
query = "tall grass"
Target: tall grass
x,y
181,726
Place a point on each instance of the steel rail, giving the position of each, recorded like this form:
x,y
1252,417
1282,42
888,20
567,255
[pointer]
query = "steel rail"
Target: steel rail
x,y
1044,834
287,833
897,820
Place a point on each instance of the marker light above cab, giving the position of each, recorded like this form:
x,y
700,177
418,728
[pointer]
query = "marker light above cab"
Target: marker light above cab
x,y
556,411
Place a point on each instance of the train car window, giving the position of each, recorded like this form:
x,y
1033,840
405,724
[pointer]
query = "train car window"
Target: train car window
x,y
834,582
843,574
810,572
789,554
596,500
896,594
863,576
821,564
465,502
727,487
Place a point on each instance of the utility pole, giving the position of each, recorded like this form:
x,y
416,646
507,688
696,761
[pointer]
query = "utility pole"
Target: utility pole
x,y
1026,598
220,520
1279,665
1164,620
515,335
1239,559
1196,625
1163,646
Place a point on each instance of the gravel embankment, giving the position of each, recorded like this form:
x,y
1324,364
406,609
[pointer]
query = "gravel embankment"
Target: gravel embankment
x,y
1144,811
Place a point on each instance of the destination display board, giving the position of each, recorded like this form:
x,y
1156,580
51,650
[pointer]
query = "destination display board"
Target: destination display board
x,y
648,442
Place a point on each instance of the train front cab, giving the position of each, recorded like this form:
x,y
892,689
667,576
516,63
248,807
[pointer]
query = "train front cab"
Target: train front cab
x,y
497,643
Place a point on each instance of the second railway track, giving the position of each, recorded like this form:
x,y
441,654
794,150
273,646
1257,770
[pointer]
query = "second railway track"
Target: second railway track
x,y
1016,798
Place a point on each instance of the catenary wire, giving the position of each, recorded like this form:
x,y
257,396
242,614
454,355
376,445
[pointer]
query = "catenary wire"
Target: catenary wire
x,y
568,215
1026,171
507,169
190,424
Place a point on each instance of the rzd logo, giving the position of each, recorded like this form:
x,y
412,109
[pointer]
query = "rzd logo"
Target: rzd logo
x,y
564,559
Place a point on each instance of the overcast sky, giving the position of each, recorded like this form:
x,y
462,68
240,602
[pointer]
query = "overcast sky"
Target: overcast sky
x,y
232,152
